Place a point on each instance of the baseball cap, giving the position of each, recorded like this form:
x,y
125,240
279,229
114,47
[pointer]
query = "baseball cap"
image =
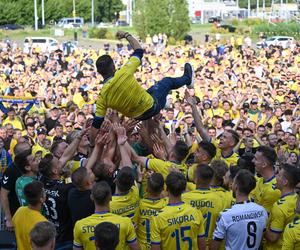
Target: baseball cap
x,y
41,131
254,101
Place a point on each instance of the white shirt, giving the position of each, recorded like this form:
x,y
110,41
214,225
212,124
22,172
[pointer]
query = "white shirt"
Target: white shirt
x,y
241,226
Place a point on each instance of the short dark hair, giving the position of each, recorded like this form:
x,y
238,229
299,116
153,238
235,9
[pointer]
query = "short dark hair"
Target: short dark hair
x,y
45,165
155,183
104,64
234,135
209,148
181,150
42,233
176,183
106,236
21,160
125,179
33,192
233,170
20,147
245,181
204,173
101,193
78,177
268,153
220,168
292,174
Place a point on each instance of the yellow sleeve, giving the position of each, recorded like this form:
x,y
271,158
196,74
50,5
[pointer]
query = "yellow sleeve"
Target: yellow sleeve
x,y
77,242
288,238
131,236
131,66
276,219
155,164
155,232
101,106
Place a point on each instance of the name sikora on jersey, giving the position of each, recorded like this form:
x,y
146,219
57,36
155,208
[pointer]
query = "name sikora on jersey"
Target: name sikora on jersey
x,y
180,219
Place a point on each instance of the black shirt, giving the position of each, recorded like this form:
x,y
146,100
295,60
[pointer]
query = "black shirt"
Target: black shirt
x,y
56,208
10,176
80,204
50,123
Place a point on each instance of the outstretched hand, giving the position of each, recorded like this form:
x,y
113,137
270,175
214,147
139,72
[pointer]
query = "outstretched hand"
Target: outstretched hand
x,y
190,100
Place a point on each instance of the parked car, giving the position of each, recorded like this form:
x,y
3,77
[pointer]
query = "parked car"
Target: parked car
x,y
214,19
105,25
46,44
284,41
122,23
11,27
228,27
70,22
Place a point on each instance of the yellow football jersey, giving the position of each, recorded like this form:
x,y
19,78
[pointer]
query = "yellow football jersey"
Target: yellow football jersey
x,y
178,226
231,159
210,205
84,230
225,195
123,93
148,208
24,220
265,192
281,214
291,235
163,167
126,204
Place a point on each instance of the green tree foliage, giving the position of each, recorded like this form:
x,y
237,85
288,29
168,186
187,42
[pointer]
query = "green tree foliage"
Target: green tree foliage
x,y
22,11
161,16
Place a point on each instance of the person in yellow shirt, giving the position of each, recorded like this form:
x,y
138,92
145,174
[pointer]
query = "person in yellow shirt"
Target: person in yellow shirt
x,y
84,237
123,93
204,199
282,212
150,207
265,192
178,226
125,201
28,216
13,119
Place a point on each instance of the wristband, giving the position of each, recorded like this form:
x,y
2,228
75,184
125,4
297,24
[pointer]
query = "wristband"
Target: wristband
x,y
127,35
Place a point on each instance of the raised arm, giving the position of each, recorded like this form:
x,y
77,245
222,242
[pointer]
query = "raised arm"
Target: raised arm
x,y
197,119
132,41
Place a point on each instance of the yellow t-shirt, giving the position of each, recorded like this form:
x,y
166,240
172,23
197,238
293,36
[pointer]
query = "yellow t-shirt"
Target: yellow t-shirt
x,y
291,235
126,205
265,193
37,147
178,226
16,123
231,160
148,208
163,167
24,220
281,214
210,205
123,93
84,230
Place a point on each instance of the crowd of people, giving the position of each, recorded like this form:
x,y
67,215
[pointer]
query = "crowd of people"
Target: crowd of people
x,y
181,147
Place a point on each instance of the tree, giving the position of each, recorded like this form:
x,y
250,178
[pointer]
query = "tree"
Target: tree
x,y
139,18
107,9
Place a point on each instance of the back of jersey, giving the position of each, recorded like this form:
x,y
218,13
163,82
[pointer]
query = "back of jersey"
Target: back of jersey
x,y
242,225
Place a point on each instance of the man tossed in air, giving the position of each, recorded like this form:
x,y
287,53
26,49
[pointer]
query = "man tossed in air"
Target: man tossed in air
x,y
123,93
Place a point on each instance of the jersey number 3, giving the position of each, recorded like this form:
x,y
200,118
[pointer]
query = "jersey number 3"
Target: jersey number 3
x,y
251,230
182,237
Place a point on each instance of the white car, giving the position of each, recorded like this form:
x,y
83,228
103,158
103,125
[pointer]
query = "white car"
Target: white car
x,y
46,44
284,41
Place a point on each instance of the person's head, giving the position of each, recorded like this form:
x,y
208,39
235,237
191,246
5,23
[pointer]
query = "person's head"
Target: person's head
x,y
292,140
170,113
293,158
27,163
42,236
205,152
105,66
220,168
287,177
243,183
11,113
49,167
54,112
264,159
229,177
176,184
3,132
30,127
101,193
69,126
106,236
261,130
203,175
125,179
41,134
228,139
34,193
21,147
83,178
155,184
180,151
10,129
59,129
211,132
272,139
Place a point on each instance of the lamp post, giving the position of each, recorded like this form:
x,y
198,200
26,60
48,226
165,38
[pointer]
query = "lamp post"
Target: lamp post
x,y
43,13
74,25
35,16
92,14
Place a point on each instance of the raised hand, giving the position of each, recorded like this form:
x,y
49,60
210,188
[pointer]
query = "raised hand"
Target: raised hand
x,y
190,100
121,34
120,132
159,151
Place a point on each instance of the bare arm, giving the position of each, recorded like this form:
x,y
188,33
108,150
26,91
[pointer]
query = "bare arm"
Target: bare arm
x,y
201,243
5,204
214,245
132,41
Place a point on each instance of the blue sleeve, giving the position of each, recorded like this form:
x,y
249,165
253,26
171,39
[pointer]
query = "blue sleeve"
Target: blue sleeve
x,y
97,122
138,53
2,108
29,106
8,158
